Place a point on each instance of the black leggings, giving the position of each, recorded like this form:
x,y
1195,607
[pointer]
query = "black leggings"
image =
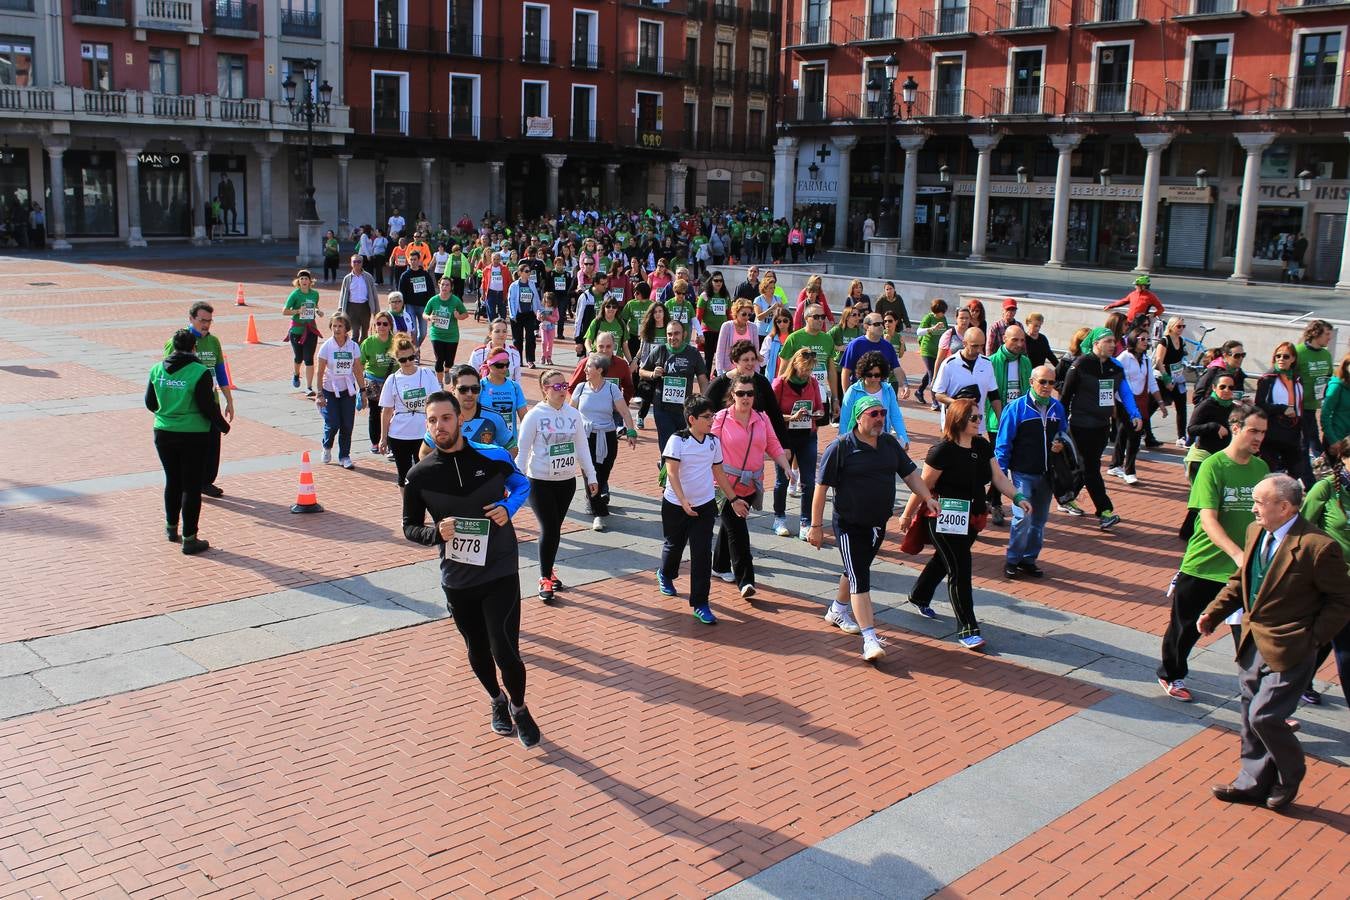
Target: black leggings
x,y
928,363
1190,597
1091,442
524,334
182,453
488,618
405,456
445,355
304,345
732,550
599,504
330,267
550,500
951,560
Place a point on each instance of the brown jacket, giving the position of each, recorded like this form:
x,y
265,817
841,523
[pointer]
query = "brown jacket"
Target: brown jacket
x,y
1303,602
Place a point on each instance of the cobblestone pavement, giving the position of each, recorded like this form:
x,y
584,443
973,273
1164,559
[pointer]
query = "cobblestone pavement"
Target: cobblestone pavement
x,y
291,713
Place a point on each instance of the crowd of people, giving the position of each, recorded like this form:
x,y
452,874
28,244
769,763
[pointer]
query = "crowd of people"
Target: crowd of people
x,y
733,373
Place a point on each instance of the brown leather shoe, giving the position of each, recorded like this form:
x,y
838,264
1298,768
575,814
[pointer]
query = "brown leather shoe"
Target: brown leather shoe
x,y
1232,794
1281,796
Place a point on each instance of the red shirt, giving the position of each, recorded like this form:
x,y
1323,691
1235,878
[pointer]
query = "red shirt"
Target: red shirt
x,y
1140,300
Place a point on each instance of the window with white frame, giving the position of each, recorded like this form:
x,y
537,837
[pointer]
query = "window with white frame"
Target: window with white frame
x,y
649,47
585,39
812,93
1208,84
880,19
1317,69
1111,78
535,44
1027,81
164,70
534,105
465,99
389,102
583,112
16,62
464,36
949,84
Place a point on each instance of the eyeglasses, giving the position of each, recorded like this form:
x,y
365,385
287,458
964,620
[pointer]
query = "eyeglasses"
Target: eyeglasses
x,y
704,416
468,389
744,393
872,323
556,386
817,316
874,413
404,359
974,418
500,365
1045,381
1238,355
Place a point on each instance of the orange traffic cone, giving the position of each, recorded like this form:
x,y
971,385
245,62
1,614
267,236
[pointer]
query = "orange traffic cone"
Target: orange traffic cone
x,y
251,336
239,296
305,500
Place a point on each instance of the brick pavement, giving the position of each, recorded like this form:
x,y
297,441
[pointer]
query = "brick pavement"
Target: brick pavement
x,y
1159,833
678,759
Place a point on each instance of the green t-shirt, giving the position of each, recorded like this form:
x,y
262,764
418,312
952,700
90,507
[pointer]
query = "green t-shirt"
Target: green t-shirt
x,y
779,234
306,306
824,345
1325,507
632,313
456,266
681,311
616,328
331,247
1223,485
928,344
441,318
376,359
1314,371
842,336
713,311
208,352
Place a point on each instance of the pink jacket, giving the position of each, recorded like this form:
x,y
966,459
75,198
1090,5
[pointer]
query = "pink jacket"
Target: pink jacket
x,y
743,450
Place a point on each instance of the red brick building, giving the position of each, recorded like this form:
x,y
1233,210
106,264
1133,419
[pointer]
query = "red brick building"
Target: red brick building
x,y
1061,132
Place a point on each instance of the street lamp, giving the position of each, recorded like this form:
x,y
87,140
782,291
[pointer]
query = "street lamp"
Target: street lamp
x,y
881,95
1201,178
1022,176
1305,181
1104,177
309,109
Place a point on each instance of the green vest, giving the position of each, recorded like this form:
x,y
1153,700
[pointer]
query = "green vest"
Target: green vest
x,y
178,410
1260,566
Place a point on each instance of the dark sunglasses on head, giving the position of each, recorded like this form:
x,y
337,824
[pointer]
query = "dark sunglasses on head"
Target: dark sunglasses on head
x,y
468,389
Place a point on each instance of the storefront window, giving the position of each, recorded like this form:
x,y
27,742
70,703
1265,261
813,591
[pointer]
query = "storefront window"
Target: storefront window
x,y
1118,234
227,177
1278,161
14,197
90,193
1275,226
166,195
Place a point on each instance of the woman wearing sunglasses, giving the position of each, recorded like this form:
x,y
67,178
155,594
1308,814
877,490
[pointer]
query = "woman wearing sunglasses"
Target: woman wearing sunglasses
x,y
403,406
1280,393
377,358
874,372
553,451
771,345
503,395
958,471
1208,434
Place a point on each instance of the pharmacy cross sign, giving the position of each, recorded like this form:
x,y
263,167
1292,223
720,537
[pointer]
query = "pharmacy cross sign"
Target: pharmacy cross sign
x,y
823,153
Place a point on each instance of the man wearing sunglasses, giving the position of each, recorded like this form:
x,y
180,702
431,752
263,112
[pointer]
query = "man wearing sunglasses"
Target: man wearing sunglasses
x,y
1029,430
872,338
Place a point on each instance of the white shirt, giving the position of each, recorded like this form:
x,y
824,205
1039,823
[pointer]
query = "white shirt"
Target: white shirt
x,y
479,356
553,444
356,290
696,461
339,375
1138,373
396,223
407,396
955,375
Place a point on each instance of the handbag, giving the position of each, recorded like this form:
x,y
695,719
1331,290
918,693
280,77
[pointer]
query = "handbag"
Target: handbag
x,y
756,500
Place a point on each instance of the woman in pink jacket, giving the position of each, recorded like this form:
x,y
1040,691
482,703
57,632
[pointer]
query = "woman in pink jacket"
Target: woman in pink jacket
x,y
814,292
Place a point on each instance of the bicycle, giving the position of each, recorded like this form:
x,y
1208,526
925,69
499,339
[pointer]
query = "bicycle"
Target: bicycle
x,y
1196,363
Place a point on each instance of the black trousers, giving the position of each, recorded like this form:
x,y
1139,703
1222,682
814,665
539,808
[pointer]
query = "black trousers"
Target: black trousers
x,y
550,501
951,560
488,618
1127,446
374,414
211,458
524,333
1091,442
445,356
732,553
1192,514
405,456
681,529
1190,597
182,454
599,504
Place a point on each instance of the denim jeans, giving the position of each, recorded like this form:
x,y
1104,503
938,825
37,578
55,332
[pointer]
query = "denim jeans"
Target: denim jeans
x,y
1027,534
339,416
667,423
801,447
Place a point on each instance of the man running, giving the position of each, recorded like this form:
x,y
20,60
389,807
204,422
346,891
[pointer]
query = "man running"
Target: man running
x,y
471,492
861,466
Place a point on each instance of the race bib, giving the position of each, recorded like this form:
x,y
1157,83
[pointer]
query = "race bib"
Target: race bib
x,y
673,388
719,307
469,544
680,314
1012,393
821,375
1106,392
306,314
616,295
1319,385
562,458
803,423
1178,373
441,322
414,399
342,362
495,281
953,516
526,299
560,284
1237,395
419,285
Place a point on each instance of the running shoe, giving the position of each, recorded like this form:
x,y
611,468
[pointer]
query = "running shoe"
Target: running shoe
x,y
1131,478
642,423
1312,697
346,462
193,546
327,456
928,612
704,615
1030,568
295,381
996,514
375,449
665,587
1072,508
310,393
501,717
546,590
210,490
1010,570
1116,471
972,642
803,533
1181,443
794,488
557,582
1152,443
598,523
748,591
843,621
172,534
526,730
919,399
1108,521
780,527
873,649
725,576
935,406
1175,689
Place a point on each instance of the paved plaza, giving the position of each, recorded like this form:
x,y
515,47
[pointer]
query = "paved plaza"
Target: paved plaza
x,y
291,713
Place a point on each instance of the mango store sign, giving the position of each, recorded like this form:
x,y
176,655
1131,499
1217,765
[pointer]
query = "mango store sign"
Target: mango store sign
x,y
822,186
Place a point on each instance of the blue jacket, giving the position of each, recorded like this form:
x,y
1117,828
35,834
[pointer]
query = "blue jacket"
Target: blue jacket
x,y
1025,435
895,420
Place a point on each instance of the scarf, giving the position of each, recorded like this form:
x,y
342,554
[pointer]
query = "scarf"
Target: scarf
x,y
1000,361
1214,395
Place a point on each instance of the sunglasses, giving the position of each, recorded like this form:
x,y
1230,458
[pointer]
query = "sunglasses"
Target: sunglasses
x,y
1284,356
744,393
874,413
717,281
816,317
500,365
974,418
403,359
468,389
1238,355
872,375
1045,381
745,314
1223,387
556,386
872,323
381,324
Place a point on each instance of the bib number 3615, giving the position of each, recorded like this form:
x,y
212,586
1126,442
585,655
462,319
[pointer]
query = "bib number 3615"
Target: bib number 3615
x,y
469,543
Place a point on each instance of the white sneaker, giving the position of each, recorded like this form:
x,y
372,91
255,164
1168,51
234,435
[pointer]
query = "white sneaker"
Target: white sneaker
x,y
346,462
843,621
803,532
1131,478
725,576
327,454
1116,471
598,523
794,489
1181,442
873,649
780,527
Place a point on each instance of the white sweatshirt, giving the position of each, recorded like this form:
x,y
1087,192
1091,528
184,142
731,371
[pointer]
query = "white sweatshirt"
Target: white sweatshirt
x,y
553,444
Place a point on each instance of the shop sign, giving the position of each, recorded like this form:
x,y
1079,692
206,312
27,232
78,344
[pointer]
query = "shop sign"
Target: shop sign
x,y
539,126
926,190
160,160
650,139
1045,190
1337,192
822,186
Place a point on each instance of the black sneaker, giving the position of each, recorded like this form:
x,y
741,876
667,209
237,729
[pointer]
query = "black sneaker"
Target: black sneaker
x,y
1312,697
546,590
526,730
193,545
172,534
996,515
211,490
1030,568
1011,571
501,717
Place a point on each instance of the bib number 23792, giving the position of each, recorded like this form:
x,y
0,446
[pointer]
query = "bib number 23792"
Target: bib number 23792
x,y
673,389
469,543
953,516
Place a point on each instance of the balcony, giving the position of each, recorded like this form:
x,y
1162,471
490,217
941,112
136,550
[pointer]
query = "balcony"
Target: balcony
x,y
1212,11
28,99
696,76
99,12
1118,99
697,9
726,12
799,110
864,108
168,15
816,33
467,43
726,79
1314,6
556,128
762,18
589,57
301,23
234,18
1307,95
1026,102
1208,97
364,35
430,125
948,103
1023,17
537,52
646,136
146,108
757,81
1113,14
950,23
636,63
873,27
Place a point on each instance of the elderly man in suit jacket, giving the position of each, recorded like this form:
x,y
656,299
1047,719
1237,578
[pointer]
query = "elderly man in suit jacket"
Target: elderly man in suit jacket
x,y
359,298
1295,591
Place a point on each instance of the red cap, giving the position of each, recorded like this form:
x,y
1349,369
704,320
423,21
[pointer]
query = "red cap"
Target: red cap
x,y
1010,303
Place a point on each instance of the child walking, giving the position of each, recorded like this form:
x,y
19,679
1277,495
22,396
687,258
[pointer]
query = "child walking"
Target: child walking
x,y
548,326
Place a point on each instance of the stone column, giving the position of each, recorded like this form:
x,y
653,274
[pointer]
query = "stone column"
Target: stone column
x,y
1148,211
675,187
56,215
199,198
1059,229
266,152
784,177
979,227
343,194
911,144
427,206
554,161
133,157
843,149
611,198
1343,283
494,187
1254,144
